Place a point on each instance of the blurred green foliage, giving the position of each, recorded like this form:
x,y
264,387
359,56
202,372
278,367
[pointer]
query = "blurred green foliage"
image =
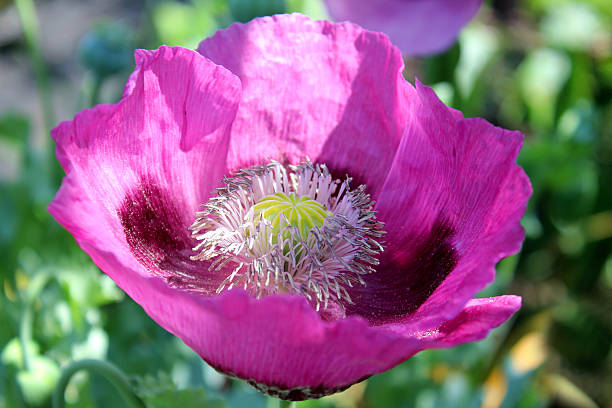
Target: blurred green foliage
x,y
541,66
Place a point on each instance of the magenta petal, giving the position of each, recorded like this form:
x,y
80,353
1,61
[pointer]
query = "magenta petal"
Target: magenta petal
x,y
332,92
138,170
281,346
476,320
451,205
417,27
447,188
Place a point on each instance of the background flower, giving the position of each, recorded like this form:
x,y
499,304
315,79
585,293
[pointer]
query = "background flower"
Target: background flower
x,y
416,27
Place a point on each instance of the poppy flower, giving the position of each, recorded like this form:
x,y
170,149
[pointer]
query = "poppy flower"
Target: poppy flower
x,y
353,215
416,27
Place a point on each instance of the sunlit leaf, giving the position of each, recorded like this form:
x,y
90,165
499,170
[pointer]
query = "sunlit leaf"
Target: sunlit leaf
x,y
184,24
541,78
38,383
573,25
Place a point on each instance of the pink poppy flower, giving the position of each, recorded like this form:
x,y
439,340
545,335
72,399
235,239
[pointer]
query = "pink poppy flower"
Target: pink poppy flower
x,y
416,27
316,304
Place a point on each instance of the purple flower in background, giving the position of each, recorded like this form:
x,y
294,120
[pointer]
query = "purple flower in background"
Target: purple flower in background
x,y
275,114
416,27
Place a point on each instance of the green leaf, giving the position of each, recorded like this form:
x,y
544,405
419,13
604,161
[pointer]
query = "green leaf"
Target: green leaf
x,y
314,9
187,398
9,212
246,10
12,354
14,132
14,127
479,44
161,392
37,384
95,345
574,26
149,385
184,24
87,286
542,75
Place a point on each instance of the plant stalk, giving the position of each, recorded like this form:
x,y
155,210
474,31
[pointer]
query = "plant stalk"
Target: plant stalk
x,y
29,24
107,370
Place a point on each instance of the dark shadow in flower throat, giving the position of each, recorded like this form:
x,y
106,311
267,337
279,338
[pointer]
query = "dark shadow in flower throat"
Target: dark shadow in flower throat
x,y
365,140
363,146
399,287
160,240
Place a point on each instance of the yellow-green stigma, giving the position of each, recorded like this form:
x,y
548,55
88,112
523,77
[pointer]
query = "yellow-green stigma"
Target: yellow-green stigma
x,y
301,212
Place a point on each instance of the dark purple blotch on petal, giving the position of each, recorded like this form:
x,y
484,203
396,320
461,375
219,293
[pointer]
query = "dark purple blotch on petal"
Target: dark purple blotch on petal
x,y
342,174
159,239
400,286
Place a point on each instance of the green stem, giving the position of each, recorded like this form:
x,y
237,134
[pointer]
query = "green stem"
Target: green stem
x,y
95,91
107,370
286,404
35,287
29,24
25,335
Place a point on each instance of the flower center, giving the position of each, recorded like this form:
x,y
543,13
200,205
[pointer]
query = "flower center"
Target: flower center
x,y
290,229
301,212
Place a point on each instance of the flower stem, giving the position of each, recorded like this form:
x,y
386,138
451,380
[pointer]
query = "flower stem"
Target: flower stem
x,y
95,91
29,24
25,335
286,404
107,370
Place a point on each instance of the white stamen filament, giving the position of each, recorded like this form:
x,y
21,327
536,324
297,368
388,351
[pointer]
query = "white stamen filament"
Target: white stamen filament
x,y
270,253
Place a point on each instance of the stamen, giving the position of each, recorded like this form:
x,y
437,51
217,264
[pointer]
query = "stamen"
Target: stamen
x,y
290,230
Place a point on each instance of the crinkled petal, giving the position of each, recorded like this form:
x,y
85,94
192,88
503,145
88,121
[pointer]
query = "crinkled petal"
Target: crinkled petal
x,y
138,170
332,92
451,205
417,27
476,320
281,346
